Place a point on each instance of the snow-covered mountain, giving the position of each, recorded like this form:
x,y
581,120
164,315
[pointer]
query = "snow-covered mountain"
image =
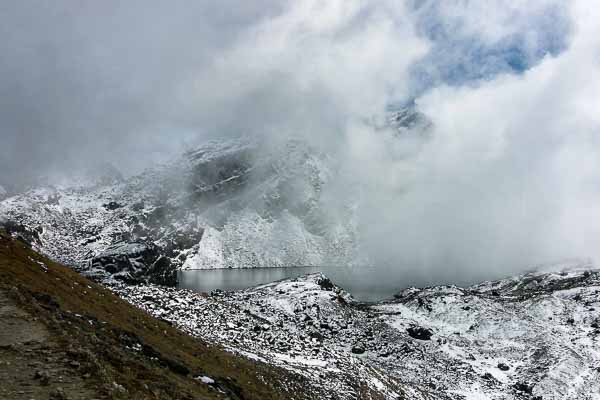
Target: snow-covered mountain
x,y
227,204
218,206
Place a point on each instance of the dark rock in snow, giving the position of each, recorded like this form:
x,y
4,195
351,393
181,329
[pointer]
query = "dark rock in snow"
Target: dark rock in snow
x,y
417,332
524,387
503,367
358,349
136,263
316,335
111,206
25,234
325,283
488,377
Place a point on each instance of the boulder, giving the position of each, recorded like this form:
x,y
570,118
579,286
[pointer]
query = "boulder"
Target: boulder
x,y
503,367
325,283
112,205
420,333
524,387
358,348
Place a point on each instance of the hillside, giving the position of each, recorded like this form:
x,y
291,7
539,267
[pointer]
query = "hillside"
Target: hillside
x,y
529,337
65,337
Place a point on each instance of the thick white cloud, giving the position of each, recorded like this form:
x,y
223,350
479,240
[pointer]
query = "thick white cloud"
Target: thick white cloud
x,y
511,175
310,69
493,20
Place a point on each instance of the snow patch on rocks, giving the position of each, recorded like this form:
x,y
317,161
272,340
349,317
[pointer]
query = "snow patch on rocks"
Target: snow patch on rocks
x,y
531,336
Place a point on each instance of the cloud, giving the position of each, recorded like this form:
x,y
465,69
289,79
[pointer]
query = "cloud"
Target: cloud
x,y
134,83
99,80
510,175
309,70
507,178
478,40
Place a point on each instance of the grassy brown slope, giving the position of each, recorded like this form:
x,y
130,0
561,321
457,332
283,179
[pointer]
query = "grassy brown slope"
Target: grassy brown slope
x,y
116,342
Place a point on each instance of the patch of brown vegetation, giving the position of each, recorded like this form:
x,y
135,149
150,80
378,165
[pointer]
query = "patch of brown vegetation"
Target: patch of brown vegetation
x,y
114,349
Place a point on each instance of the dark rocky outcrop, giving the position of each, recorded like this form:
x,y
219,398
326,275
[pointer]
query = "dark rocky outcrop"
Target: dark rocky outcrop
x,y
136,263
112,205
21,232
524,387
417,332
162,272
358,348
503,367
213,178
325,283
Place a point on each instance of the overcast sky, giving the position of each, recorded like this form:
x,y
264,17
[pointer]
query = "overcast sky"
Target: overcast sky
x,y
84,81
512,171
130,82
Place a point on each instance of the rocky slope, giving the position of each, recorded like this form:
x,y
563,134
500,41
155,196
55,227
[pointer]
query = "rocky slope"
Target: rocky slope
x,y
63,337
535,336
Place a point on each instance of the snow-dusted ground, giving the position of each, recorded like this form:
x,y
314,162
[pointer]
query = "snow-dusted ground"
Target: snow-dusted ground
x,y
535,336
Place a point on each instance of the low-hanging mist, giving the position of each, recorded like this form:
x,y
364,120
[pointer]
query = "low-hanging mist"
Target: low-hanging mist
x,y
505,177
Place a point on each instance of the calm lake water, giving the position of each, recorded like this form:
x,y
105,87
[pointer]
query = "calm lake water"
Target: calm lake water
x,y
364,283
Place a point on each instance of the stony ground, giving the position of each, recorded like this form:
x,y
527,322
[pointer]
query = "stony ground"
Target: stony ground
x,y
535,336
65,337
32,364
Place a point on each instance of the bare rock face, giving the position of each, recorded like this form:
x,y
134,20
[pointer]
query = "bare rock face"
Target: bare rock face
x,y
162,272
135,263
417,332
358,349
24,233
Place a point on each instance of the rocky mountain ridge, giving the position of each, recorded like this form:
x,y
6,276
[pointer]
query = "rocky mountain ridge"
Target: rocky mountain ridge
x,y
226,204
215,207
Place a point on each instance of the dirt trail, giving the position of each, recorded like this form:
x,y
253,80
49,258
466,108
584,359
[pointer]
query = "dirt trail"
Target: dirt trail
x,y
32,366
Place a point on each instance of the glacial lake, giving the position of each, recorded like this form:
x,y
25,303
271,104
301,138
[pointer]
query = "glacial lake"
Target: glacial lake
x,y
364,283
